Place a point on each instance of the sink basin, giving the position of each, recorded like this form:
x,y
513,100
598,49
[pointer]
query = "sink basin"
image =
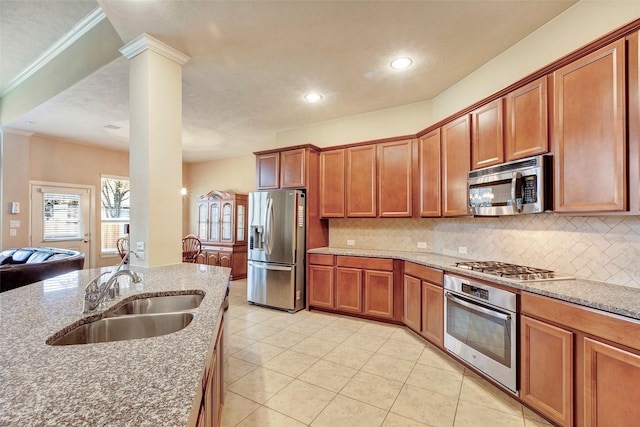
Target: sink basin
x,y
161,304
125,328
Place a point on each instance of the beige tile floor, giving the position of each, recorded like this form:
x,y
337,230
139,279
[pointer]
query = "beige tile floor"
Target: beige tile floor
x,y
317,369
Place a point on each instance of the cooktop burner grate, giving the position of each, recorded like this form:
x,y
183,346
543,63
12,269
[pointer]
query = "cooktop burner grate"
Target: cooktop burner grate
x,y
510,271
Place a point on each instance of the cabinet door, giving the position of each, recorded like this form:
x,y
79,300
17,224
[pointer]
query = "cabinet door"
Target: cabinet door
x,y
212,258
412,302
378,293
226,223
611,394
349,289
429,174
321,286
487,142
292,168
433,313
456,141
361,182
394,182
526,121
225,259
203,221
332,194
268,171
214,221
589,132
241,222
546,369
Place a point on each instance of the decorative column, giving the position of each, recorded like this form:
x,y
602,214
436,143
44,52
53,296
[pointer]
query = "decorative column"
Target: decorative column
x,y
155,150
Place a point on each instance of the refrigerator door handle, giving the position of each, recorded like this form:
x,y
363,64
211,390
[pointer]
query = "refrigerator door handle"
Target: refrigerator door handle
x,y
269,225
270,267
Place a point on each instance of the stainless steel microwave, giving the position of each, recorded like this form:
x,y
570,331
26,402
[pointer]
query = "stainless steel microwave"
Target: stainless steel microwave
x,y
518,187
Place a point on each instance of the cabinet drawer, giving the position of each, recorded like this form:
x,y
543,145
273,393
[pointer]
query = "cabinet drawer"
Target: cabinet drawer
x,y
423,272
321,259
368,263
609,326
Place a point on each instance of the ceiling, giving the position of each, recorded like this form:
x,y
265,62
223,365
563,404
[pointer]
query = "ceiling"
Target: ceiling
x,y
252,62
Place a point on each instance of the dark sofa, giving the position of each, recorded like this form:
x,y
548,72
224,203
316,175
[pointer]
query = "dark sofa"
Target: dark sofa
x,y
19,267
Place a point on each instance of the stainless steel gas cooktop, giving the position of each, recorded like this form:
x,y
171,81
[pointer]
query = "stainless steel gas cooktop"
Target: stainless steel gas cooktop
x,y
511,271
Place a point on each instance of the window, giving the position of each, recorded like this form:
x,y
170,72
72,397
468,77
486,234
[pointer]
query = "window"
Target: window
x,y
62,216
114,211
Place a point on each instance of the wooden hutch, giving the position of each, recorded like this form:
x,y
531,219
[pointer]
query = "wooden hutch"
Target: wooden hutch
x,y
222,229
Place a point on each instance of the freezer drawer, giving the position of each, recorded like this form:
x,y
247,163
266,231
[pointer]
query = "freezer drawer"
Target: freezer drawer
x,y
274,285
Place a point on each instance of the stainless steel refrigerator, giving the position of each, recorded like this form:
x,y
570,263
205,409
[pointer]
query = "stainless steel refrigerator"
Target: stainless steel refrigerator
x,y
276,270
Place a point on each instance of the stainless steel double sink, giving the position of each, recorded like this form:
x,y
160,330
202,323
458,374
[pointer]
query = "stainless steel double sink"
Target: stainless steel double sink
x,y
143,317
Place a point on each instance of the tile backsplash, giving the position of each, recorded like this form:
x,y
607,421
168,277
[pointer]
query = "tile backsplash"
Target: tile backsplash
x,y
605,249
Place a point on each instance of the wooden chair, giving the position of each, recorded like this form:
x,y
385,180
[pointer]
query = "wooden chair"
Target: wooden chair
x,y
123,246
191,248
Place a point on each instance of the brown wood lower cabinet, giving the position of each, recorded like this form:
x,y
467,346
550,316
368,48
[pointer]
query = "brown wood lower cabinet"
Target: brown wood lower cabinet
x,y
210,413
546,369
353,285
424,302
233,258
564,345
611,378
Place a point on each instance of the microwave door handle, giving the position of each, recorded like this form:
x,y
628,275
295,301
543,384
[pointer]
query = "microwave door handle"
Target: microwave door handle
x,y
480,309
514,201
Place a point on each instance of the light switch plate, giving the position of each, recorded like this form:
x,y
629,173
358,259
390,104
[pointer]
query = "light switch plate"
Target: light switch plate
x,y
14,223
140,246
422,245
351,242
462,249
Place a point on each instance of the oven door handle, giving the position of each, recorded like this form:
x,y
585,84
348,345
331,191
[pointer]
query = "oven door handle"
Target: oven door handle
x,y
478,308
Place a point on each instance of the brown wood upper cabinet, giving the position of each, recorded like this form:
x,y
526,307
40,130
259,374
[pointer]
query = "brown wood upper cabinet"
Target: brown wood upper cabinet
x,y
487,142
589,132
456,148
527,121
287,168
361,182
332,184
394,183
428,171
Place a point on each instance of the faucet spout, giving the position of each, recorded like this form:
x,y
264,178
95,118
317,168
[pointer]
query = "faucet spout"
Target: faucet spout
x,y
96,291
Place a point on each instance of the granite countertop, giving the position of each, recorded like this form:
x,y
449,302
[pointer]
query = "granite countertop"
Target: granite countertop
x,y
617,299
151,381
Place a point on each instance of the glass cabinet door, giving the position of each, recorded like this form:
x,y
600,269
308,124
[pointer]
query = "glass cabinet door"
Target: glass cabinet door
x,y
202,222
240,224
214,230
227,211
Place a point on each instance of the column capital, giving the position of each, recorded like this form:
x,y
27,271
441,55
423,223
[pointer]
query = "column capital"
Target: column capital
x,y
144,41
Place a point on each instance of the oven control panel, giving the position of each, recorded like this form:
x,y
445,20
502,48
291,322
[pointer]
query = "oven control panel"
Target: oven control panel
x,y
475,291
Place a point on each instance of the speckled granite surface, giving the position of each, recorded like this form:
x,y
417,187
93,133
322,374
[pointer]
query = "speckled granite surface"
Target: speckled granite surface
x,y
144,382
616,299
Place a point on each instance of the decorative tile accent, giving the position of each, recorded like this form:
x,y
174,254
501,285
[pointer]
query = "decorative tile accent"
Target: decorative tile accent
x,y
596,248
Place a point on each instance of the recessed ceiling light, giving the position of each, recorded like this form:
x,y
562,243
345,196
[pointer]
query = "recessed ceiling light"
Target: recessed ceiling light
x,y
401,63
30,122
313,97
110,126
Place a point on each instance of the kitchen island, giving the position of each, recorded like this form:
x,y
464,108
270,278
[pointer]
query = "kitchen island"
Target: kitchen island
x,y
152,381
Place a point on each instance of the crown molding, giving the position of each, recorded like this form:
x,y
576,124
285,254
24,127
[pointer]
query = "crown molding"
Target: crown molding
x,y
78,30
15,132
145,42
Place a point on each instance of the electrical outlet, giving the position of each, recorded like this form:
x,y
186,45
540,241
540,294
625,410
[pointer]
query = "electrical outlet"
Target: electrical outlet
x,y
422,245
13,232
351,242
462,249
140,246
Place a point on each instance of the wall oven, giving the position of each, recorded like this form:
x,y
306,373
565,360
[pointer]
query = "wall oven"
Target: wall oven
x,y
480,328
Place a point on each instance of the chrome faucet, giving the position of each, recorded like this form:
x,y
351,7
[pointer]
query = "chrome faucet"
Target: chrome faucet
x,y
96,291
